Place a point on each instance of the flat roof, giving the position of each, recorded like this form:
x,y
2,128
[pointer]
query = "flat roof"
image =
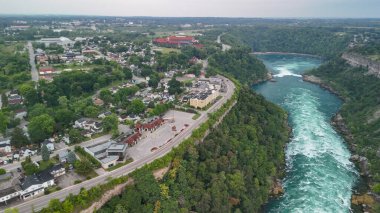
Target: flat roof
x,y
116,147
99,147
108,159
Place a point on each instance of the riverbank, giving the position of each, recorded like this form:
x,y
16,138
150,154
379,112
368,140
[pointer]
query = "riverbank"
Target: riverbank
x,y
286,53
316,80
363,198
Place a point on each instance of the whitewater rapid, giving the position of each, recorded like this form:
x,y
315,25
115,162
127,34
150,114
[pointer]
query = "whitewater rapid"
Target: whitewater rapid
x,y
319,175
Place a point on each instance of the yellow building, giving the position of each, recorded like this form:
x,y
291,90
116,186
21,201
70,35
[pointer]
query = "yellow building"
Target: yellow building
x,y
203,99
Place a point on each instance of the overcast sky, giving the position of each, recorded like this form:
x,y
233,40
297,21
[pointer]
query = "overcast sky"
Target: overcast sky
x,y
197,8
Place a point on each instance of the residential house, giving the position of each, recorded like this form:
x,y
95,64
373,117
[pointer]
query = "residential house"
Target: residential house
x,y
35,185
89,125
9,187
49,145
14,98
20,114
62,155
57,170
104,114
5,145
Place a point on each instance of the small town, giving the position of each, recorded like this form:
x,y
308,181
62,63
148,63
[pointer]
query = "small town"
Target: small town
x,y
226,106
141,103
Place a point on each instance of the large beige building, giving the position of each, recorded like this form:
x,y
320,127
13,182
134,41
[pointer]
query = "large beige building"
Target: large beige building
x,y
203,99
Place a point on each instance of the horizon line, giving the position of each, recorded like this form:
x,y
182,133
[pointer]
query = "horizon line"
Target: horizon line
x,y
228,17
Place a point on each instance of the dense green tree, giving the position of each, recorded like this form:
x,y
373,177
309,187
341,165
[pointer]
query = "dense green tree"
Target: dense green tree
x,y
41,127
154,80
127,73
91,111
4,100
4,121
137,106
325,42
28,166
75,136
175,87
106,96
67,207
37,110
30,94
55,205
110,123
18,138
236,62
45,153
83,167
63,101
64,116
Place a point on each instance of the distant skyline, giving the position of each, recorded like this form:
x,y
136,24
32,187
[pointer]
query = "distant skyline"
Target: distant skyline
x,y
197,8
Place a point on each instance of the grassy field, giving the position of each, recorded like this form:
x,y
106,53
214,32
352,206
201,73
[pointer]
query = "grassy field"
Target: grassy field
x,y
166,50
375,57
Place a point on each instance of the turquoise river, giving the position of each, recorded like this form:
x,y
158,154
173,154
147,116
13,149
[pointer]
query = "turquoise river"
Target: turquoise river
x,y
319,176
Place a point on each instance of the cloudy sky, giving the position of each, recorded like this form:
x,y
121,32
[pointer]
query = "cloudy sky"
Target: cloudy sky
x,y
198,8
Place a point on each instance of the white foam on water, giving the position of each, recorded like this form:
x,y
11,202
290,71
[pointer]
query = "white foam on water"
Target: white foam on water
x,y
284,71
320,175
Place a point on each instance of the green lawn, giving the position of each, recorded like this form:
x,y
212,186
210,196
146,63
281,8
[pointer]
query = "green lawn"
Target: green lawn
x,y
196,116
166,50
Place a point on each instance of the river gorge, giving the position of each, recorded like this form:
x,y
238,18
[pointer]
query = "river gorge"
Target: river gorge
x,y
319,175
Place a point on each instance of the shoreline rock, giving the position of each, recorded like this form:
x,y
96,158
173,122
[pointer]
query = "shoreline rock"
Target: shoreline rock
x,y
277,188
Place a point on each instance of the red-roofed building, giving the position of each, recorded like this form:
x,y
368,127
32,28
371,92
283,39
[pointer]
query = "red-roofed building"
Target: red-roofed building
x,y
176,41
132,139
47,70
151,125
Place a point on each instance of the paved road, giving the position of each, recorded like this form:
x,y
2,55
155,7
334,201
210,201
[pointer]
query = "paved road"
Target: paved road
x,y
32,62
41,202
225,47
15,165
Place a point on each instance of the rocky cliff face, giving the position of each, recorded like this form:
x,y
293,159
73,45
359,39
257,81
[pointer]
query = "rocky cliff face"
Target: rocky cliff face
x,y
357,60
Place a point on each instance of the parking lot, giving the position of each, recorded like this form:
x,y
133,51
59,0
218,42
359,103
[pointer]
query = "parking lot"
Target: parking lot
x,y
69,179
151,141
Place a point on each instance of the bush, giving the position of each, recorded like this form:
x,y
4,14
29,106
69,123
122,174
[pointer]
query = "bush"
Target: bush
x,y
2,171
376,188
89,157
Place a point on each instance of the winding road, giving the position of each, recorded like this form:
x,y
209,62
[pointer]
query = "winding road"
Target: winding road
x,y
43,201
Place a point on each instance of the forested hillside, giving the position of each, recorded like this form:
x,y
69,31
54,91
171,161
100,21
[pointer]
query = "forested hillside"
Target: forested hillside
x,y
326,42
231,171
240,64
361,110
370,50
